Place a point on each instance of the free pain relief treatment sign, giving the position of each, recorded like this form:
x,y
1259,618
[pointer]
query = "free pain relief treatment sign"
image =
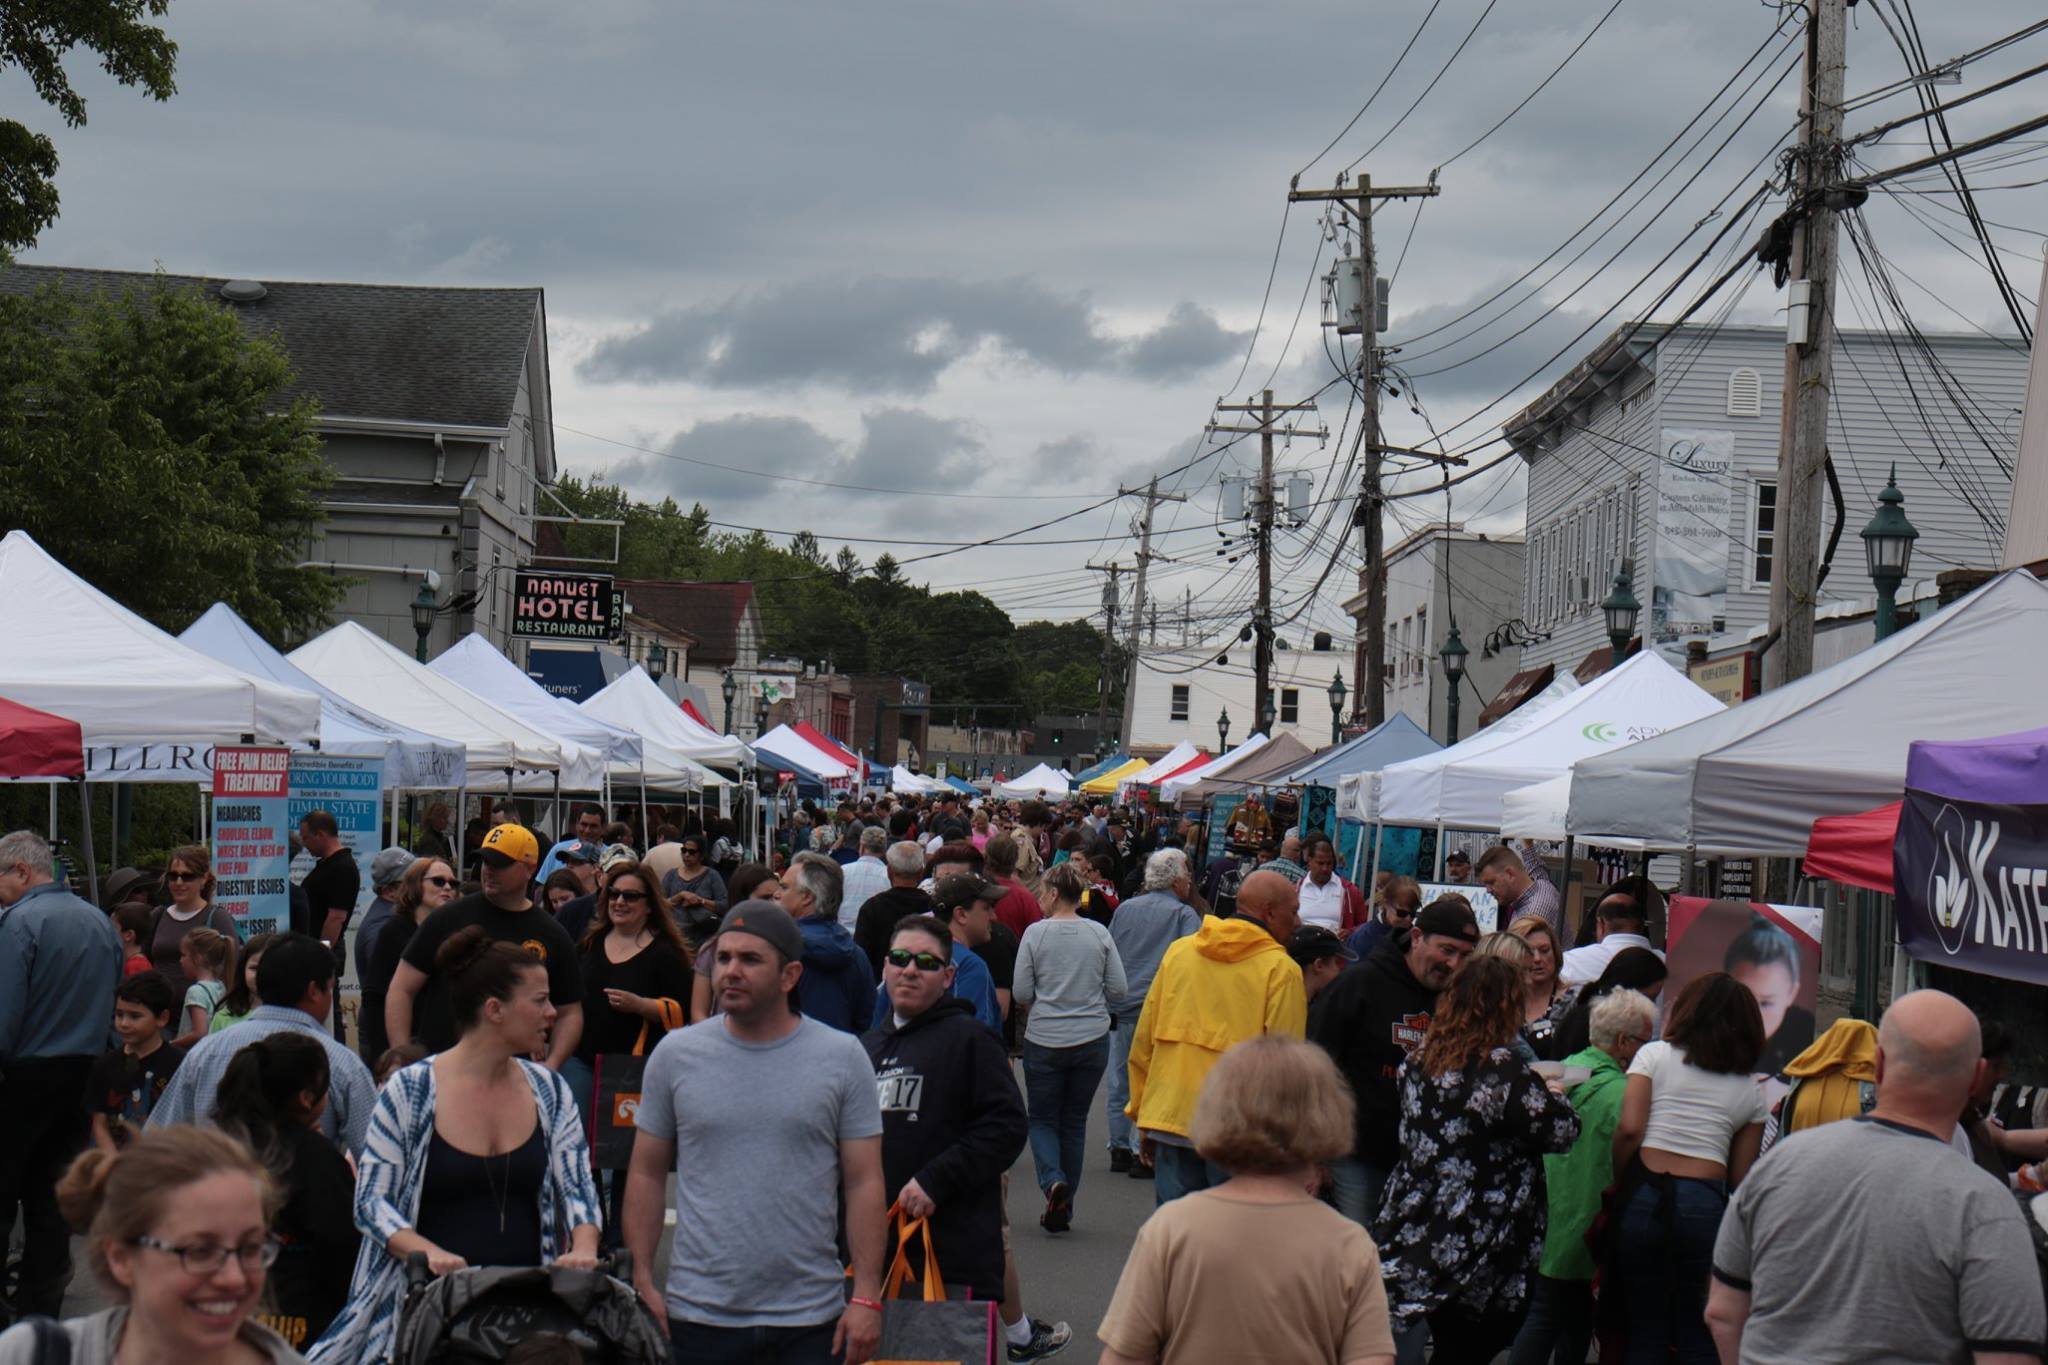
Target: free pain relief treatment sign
x,y
251,841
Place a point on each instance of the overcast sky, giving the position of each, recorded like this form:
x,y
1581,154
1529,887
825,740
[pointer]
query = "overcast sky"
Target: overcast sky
x,y
1014,251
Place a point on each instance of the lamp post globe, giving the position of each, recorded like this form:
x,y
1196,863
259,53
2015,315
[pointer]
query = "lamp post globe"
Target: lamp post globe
x,y
1223,731
1337,691
657,660
729,688
1453,655
1888,551
1267,717
761,715
1622,611
423,608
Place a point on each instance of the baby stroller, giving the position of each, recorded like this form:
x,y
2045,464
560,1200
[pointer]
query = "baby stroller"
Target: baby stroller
x,y
482,1314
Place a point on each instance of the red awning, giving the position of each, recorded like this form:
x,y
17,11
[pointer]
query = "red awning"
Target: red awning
x,y
690,710
1515,691
1855,850
37,744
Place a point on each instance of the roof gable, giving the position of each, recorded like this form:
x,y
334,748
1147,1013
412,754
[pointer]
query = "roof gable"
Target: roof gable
x,y
711,612
410,353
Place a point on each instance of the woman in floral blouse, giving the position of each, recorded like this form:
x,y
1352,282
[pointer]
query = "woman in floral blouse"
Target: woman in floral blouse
x,y
1460,1227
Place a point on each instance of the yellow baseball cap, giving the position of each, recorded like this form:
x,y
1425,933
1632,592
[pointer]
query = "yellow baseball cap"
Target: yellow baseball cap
x,y
511,844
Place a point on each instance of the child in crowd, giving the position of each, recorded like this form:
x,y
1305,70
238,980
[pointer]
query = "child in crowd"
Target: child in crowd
x,y
207,957
126,1082
131,922
241,997
395,1060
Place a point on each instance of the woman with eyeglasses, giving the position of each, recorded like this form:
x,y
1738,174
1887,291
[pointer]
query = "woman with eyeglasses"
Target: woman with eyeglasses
x,y
426,886
695,892
271,1096
1394,910
476,1156
178,1233
189,878
634,958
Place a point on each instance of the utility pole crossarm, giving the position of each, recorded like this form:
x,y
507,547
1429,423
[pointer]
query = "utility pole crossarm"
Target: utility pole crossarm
x,y
1320,433
1437,455
1363,190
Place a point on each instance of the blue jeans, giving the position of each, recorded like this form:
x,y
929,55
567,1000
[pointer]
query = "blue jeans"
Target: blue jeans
x,y
1665,1248
1059,1086
693,1343
1355,1189
1181,1170
1560,1323
1122,1132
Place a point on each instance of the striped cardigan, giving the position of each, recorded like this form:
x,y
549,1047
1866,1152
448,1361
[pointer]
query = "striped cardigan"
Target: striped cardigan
x,y
389,1173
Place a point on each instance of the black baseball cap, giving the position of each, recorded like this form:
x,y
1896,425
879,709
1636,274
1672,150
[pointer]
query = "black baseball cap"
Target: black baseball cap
x,y
1450,917
963,889
1313,943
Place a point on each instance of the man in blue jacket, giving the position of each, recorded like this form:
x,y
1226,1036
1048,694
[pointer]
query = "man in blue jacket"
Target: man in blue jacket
x,y
837,986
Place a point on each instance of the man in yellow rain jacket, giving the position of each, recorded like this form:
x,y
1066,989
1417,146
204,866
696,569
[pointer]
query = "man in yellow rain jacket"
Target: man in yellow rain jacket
x,y
1230,980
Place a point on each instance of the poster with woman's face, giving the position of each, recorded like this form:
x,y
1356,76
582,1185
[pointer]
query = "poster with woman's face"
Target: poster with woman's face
x,y
1774,950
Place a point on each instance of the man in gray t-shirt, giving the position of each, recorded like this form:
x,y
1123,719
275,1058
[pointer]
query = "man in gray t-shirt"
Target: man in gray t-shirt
x,y
1871,1239
765,1117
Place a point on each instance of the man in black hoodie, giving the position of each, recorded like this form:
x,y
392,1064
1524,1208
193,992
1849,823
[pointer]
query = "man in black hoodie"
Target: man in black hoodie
x,y
1369,1020
952,1117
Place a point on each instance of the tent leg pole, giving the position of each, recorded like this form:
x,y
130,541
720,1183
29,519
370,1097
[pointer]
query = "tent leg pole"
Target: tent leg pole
x,y
114,828
1379,839
1437,874
53,812
92,865
1574,926
556,814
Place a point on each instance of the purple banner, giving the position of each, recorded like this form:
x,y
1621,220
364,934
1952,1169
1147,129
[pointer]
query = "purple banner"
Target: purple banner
x,y
1972,883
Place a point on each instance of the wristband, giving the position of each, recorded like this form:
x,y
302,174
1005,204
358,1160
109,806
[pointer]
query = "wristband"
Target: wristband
x,y
873,1305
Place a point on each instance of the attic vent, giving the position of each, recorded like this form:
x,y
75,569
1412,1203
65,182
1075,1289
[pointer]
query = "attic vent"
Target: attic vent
x,y
1745,393
243,291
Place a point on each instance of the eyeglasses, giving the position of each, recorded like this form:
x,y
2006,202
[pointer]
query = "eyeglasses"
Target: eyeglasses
x,y
926,962
206,1258
182,876
629,897
445,883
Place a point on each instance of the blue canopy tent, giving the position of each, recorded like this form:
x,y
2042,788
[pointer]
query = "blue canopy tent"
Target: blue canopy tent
x,y
1110,764
1392,741
964,788
808,783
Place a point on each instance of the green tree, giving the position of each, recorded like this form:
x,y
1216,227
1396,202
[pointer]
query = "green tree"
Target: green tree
x,y
847,566
36,36
145,441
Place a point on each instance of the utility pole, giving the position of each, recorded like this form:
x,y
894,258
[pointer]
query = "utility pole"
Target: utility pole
x,y
1262,515
1153,497
1357,202
1109,606
1810,344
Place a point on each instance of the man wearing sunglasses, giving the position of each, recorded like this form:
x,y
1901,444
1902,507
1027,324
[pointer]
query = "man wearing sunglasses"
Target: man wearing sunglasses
x,y
952,1119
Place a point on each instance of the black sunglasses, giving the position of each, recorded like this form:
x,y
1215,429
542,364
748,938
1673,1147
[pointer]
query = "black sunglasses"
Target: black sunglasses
x,y
628,896
926,962
183,877
446,883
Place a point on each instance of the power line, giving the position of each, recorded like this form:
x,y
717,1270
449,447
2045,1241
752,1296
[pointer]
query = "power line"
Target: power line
x,y
1417,103
1555,72
1345,131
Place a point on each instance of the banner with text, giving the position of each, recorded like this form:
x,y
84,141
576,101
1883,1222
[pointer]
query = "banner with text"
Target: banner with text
x,y
352,791
251,841
1972,884
1689,575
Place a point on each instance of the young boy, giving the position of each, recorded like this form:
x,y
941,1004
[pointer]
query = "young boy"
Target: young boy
x,y
125,1085
131,922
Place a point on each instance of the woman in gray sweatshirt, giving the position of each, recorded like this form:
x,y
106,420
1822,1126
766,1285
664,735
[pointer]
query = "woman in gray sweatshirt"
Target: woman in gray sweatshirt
x,y
1067,973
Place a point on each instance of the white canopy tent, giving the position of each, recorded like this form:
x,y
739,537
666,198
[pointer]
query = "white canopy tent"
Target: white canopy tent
x,y
1460,787
1358,794
1220,766
1042,780
75,652
633,702
1537,811
1753,779
411,758
1179,756
473,663
786,744
901,779
371,673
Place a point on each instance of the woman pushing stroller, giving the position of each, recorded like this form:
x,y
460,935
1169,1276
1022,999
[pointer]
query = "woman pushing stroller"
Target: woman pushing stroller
x,y
476,1157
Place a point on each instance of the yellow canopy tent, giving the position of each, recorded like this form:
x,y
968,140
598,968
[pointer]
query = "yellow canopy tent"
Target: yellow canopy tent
x,y
1105,785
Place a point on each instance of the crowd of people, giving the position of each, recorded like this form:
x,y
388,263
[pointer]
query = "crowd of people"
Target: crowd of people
x,y
1374,1129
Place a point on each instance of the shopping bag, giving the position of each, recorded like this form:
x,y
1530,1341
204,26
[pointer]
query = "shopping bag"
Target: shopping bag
x,y
615,1098
931,1329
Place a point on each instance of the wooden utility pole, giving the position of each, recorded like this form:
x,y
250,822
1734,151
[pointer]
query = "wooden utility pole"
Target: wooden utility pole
x,y
1109,606
1810,348
1262,534
1153,497
1357,201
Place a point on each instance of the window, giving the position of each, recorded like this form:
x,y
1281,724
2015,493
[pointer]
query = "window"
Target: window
x,y
1290,705
1422,642
1180,701
1763,531
1745,393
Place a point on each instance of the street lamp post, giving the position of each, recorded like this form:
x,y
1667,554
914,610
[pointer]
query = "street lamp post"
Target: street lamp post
x,y
1453,655
423,608
1621,610
657,660
1337,707
1888,548
1223,732
1267,717
728,688
761,715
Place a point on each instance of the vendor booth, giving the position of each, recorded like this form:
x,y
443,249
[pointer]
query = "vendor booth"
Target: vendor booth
x,y
1043,783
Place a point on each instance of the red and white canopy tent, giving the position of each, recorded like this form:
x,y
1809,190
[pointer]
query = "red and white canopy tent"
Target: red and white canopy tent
x,y
36,744
1855,850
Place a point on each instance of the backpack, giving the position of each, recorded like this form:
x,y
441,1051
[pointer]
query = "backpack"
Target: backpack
x,y
1817,1100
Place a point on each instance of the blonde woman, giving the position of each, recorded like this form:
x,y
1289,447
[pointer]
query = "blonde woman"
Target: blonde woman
x,y
1256,1268
1548,997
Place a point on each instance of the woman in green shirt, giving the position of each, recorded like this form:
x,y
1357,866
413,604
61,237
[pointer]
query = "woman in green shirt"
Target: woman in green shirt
x,y
1559,1326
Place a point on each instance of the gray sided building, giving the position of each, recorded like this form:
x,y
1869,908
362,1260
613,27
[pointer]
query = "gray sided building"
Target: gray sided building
x,y
435,415
1663,450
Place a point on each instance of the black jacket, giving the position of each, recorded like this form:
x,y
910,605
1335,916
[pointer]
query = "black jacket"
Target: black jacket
x,y
1369,1019
953,1121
